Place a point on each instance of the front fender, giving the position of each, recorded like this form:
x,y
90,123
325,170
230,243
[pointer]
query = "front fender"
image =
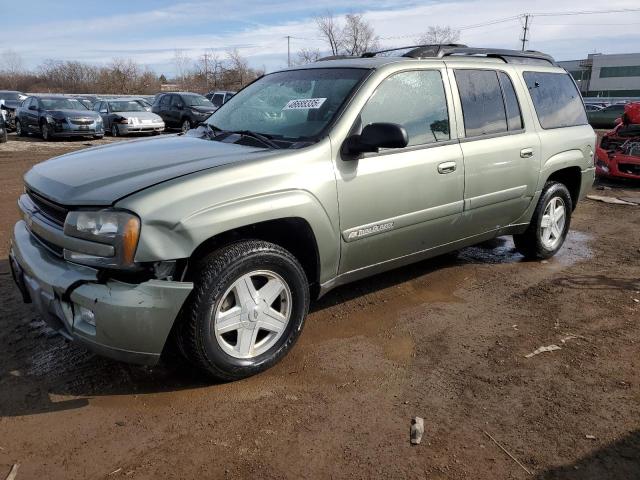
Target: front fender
x,y
163,240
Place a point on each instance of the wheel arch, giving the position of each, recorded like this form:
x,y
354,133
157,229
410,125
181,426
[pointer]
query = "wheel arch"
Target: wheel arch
x,y
294,234
570,177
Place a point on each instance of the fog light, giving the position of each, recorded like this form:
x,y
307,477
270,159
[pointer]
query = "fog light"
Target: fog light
x,y
85,315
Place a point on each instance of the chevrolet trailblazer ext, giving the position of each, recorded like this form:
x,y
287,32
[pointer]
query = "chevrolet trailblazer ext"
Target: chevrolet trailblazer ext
x,y
217,240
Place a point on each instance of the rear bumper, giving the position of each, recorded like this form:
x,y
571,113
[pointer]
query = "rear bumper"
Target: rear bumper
x,y
131,322
588,177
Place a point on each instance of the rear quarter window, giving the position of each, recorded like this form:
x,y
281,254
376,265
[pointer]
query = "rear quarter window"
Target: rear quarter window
x,y
556,99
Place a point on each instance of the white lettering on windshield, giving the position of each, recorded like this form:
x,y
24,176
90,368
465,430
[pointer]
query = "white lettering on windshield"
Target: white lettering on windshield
x,y
304,104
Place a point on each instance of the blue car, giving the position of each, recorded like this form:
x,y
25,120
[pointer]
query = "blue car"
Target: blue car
x,y
57,116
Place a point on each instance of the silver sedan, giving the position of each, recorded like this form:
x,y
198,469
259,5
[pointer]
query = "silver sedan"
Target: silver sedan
x,y
124,116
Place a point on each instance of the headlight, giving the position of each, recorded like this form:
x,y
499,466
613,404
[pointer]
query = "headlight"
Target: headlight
x,y
99,120
117,228
50,119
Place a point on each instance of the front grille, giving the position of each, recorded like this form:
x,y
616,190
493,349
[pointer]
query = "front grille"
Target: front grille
x,y
632,168
81,121
52,211
52,247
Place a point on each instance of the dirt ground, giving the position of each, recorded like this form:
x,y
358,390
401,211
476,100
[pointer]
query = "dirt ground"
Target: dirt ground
x,y
444,339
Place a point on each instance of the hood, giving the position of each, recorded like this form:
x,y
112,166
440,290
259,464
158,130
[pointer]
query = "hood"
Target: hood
x,y
140,115
73,113
103,175
203,109
10,104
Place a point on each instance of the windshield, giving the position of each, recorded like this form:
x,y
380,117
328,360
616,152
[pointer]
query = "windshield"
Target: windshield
x,y
126,106
196,101
9,96
62,104
292,105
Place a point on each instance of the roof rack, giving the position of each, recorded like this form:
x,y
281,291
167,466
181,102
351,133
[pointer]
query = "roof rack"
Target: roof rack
x,y
337,57
451,49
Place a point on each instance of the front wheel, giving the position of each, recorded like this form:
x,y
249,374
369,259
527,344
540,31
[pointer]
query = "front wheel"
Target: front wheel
x,y
45,131
19,131
549,225
247,309
115,132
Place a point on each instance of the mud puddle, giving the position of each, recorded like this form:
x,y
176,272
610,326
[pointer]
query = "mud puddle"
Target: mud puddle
x,y
502,250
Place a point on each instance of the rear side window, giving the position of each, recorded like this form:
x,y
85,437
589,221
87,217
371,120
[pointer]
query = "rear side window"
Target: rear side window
x,y
482,103
556,99
416,100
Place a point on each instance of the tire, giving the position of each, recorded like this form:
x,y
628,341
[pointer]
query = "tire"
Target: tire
x,y
115,131
45,131
216,292
3,136
545,236
185,126
19,131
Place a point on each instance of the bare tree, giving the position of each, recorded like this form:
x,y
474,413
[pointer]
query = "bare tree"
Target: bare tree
x,y
182,62
307,55
437,35
12,66
331,31
358,35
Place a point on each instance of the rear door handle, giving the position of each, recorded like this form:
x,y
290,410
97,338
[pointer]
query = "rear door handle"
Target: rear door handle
x,y
447,167
526,152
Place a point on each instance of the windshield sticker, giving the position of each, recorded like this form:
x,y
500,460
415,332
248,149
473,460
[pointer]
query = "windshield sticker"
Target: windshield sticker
x,y
304,104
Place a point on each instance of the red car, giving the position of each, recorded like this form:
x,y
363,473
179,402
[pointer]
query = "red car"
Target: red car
x,y
619,152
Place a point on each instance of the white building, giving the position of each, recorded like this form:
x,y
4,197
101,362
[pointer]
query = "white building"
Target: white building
x,y
602,75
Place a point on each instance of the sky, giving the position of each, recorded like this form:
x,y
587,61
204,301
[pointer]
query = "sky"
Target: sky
x,y
150,31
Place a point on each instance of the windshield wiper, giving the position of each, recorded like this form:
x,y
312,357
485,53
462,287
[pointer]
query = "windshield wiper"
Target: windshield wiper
x,y
246,133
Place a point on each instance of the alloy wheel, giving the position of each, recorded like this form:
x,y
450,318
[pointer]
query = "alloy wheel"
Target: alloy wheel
x,y
552,223
253,314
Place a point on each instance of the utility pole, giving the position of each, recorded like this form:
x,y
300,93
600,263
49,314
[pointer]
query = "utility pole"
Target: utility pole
x,y
206,70
288,50
525,31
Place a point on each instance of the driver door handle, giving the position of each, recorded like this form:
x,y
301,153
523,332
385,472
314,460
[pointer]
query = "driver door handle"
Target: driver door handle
x,y
447,167
526,153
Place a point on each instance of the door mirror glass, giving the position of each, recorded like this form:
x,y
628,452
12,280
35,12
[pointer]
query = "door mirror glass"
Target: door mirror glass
x,y
376,136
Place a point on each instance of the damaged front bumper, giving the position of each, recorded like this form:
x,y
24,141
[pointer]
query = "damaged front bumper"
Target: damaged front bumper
x,y
126,322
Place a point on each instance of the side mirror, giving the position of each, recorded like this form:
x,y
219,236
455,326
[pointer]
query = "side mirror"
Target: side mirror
x,y
374,137
33,107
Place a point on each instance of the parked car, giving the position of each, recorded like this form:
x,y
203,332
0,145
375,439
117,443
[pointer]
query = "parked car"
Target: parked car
x,y
123,116
182,110
3,127
56,116
10,100
219,98
606,117
307,179
590,107
618,155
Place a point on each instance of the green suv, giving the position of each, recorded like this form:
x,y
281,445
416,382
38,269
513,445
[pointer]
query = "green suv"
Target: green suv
x,y
217,240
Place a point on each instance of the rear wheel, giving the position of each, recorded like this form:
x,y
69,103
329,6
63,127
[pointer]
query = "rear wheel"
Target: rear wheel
x,y
247,309
549,225
186,125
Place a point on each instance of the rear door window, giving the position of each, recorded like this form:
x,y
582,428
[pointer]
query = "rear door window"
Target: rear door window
x,y
556,99
482,102
164,101
514,116
416,100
